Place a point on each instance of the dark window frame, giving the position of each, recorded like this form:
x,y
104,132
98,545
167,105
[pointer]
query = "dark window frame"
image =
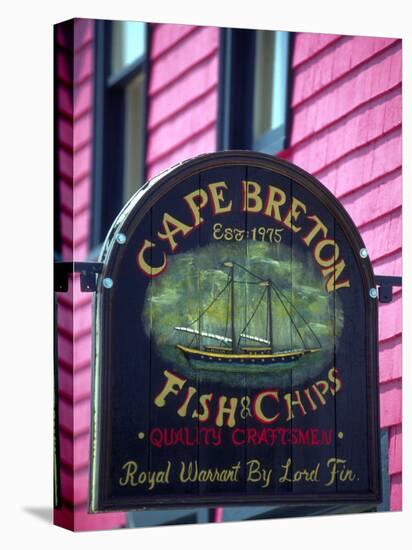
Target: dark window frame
x,y
236,95
109,130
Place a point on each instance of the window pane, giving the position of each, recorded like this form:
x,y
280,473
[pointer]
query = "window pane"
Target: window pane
x,y
128,43
264,74
271,72
279,96
134,96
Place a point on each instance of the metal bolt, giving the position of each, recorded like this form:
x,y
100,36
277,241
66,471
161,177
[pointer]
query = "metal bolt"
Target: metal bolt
x,y
373,293
121,238
107,282
363,253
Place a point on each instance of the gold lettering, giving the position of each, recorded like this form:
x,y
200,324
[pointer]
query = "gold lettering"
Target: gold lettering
x,y
216,194
222,410
342,474
293,214
286,467
131,469
195,206
251,201
204,401
326,262
169,234
312,404
332,375
335,272
275,199
257,473
258,406
182,410
144,266
173,385
290,403
324,386
319,226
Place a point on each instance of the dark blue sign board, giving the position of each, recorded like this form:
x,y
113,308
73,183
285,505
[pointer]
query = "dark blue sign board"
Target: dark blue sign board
x,y
235,344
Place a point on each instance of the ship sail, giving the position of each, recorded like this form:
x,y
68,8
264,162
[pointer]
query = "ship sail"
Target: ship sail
x,y
238,349
220,338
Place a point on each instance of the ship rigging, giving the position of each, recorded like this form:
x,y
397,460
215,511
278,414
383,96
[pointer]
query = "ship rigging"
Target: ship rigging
x,y
242,350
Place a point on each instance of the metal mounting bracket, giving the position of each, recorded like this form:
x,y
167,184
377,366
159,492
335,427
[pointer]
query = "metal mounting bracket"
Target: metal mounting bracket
x,y
385,284
89,271
88,275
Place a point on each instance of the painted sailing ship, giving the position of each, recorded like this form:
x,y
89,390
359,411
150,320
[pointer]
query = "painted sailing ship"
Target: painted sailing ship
x,y
241,350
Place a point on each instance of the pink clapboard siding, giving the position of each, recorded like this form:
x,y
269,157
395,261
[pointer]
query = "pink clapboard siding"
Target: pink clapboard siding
x,y
74,134
182,102
346,130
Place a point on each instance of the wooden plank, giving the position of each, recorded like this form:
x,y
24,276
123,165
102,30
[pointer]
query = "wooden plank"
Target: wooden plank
x,y
390,318
390,264
314,314
182,93
83,32
65,133
379,75
82,164
307,45
83,98
82,350
165,36
354,402
83,521
204,142
182,57
126,432
83,65
170,416
81,226
81,194
364,165
396,492
269,250
65,164
180,128
338,59
391,403
390,359
344,135
66,449
81,447
395,450
221,259
375,200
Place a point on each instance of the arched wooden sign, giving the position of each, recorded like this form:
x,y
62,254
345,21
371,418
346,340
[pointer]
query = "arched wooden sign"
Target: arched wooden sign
x,y
235,343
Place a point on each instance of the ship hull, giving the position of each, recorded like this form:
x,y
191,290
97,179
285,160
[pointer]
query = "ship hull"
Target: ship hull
x,y
241,362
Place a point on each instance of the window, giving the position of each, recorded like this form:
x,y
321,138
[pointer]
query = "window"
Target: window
x,y
119,119
254,90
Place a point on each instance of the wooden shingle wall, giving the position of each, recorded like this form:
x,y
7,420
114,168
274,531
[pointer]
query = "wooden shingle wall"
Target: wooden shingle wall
x,y
74,65
182,102
346,131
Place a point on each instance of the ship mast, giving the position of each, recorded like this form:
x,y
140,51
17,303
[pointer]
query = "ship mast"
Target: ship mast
x,y
268,286
235,347
270,316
